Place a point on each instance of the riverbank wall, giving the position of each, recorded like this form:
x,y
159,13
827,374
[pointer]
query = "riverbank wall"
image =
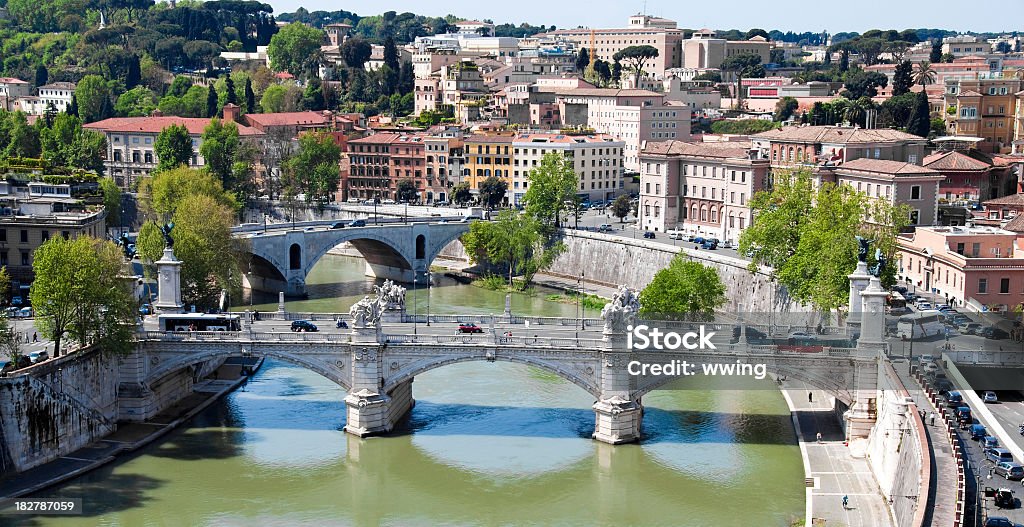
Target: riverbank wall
x,y
56,407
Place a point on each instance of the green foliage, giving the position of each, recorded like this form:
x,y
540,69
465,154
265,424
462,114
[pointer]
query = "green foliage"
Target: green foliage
x,y
784,108
209,255
161,194
745,65
920,120
742,126
139,101
355,52
294,48
111,201
79,292
636,56
461,193
513,240
273,99
902,78
173,147
94,98
492,191
405,191
314,170
149,245
621,207
859,84
924,74
66,144
219,144
683,290
552,184
192,104
582,59
5,287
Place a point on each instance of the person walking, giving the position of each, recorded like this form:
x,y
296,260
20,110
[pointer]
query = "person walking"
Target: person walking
x,y
810,397
35,337
846,502
818,437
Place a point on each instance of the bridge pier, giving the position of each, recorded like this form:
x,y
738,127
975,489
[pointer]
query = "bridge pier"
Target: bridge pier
x,y
398,274
617,420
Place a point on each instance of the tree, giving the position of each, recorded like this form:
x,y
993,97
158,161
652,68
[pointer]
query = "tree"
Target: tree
x,y
742,126
925,74
936,52
863,84
405,191
391,54
294,48
844,61
5,287
513,240
636,56
179,86
139,101
250,96
173,147
72,108
920,121
211,102
621,207
209,254
161,194
582,59
784,108
149,245
492,191
355,52
93,95
314,170
220,141
461,193
902,78
683,290
231,96
743,65
273,99
111,201
10,343
947,58
78,292
552,184
42,75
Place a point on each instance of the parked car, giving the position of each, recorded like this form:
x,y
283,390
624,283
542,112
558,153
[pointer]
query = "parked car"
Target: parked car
x,y
1000,521
299,326
989,442
649,235
990,397
357,223
709,244
970,328
998,455
924,306
338,225
675,235
994,333
469,218
942,307
727,245
469,327
800,335
38,356
978,432
16,300
604,227
388,202
954,399
1004,499
1009,470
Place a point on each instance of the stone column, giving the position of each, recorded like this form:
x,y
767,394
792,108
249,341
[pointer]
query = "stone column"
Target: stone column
x,y
858,281
280,302
617,415
863,413
168,284
872,327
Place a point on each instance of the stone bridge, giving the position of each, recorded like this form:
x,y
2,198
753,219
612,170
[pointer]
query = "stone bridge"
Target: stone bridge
x,y
284,254
377,369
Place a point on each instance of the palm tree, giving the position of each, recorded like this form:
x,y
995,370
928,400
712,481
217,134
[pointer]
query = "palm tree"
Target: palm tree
x,y
924,75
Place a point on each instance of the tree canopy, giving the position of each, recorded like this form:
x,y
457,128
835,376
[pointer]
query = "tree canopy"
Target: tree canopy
x,y
636,56
314,170
683,290
295,48
552,184
173,147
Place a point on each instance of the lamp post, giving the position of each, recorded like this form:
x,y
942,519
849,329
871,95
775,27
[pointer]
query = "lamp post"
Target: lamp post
x,y
415,330
583,305
428,297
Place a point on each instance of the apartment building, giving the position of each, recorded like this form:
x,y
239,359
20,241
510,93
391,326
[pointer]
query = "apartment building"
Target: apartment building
x,y
641,30
985,108
978,268
705,50
370,166
795,146
699,188
486,156
964,45
130,143
597,159
970,175
443,166
11,89
459,86
895,182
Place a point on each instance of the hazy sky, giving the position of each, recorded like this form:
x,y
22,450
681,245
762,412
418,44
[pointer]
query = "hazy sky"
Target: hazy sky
x,y
796,15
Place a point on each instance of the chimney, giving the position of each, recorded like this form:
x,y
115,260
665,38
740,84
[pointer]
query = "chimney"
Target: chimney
x,y
231,112
156,113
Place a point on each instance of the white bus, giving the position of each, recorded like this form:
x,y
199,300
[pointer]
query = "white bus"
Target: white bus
x,y
200,322
920,324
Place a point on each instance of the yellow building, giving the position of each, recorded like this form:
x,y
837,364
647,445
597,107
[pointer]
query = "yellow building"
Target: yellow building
x,y
983,108
486,156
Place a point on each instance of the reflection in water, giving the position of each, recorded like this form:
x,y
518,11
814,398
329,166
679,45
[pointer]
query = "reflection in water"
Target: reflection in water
x,y
486,444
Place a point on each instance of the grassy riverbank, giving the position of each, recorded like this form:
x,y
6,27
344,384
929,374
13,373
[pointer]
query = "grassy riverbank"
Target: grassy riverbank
x,y
500,284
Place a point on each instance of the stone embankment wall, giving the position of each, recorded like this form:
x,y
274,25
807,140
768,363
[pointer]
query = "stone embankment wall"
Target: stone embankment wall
x,y
613,260
56,407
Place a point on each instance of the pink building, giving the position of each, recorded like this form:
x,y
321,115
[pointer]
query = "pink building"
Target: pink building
x,y
981,268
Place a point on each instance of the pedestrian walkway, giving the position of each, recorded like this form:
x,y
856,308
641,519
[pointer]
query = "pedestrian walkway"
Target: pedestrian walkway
x,y
941,506
833,470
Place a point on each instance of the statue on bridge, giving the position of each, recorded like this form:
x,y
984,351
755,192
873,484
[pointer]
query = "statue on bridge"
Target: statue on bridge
x,y
366,313
166,231
865,246
620,312
391,296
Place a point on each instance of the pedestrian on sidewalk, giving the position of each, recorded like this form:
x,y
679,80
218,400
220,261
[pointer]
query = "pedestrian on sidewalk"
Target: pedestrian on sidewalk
x,y
819,437
846,502
810,397
35,337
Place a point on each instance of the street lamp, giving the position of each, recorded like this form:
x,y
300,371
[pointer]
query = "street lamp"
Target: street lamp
x,y
428,297
583,305
414,321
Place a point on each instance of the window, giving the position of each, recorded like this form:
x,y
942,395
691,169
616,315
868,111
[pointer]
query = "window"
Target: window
x,y
3,235
915,216
24,258
1004,286
24,236
46,236
915,192
983,285
647,187
3,257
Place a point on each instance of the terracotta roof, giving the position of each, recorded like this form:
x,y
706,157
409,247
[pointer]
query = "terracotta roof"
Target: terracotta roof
x,y
955,161
969,93
1012,199
11,80
286,119
155,125
378,138
735,149
881,166
1016,224
836,135
58,86
604,92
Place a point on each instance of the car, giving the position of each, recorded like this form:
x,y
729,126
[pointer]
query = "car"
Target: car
x,y
697,239
727,245
469,327
1009,470
338,225
989,442
1004,499
954,399
994,333
970,328
353,200
16,300
799,335
674,235
990,397
942,307
649,234
388,202
467,219
38,356
709,244
1000,521
145,309
310,229
924,306
998,455
930,367
357,223
978,432
300,326
604,227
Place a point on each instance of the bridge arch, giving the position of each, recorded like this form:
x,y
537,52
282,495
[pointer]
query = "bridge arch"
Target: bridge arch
x,y
332,372
590,383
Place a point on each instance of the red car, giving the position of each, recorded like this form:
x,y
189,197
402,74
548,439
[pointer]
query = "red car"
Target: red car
x,y
470,328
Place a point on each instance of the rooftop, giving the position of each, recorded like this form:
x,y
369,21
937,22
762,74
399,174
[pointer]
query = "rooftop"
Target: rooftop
x,y
881,166
954,160
156,124
737,149
837,135
286,119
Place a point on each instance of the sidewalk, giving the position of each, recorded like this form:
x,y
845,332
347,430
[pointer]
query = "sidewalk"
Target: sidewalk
x,y
833,470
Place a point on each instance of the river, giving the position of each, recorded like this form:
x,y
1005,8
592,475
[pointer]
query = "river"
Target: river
x,y
511,447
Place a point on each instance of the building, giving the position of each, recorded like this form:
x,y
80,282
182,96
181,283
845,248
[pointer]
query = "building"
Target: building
x,y
794,146
895,182
486,156
443,166
978,268
985,108
699,188
705,50
458,86
58,94
964,45
971,176
12,89
337,33
641,30
283,125
130,143
33,212
597,159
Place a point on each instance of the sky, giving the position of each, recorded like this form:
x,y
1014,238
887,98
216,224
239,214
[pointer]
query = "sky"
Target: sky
x,y
795,15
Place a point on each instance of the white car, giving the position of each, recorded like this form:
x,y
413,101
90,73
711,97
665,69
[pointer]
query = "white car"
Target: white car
x,y
990,397
675,235
924,306
726,245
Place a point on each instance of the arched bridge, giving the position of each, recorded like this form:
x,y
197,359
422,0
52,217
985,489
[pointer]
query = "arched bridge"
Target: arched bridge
x,y
377,366
283,255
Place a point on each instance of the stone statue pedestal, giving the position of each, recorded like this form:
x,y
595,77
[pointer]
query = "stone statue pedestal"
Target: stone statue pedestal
x,y
168,298
392,315
858,282
367,335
